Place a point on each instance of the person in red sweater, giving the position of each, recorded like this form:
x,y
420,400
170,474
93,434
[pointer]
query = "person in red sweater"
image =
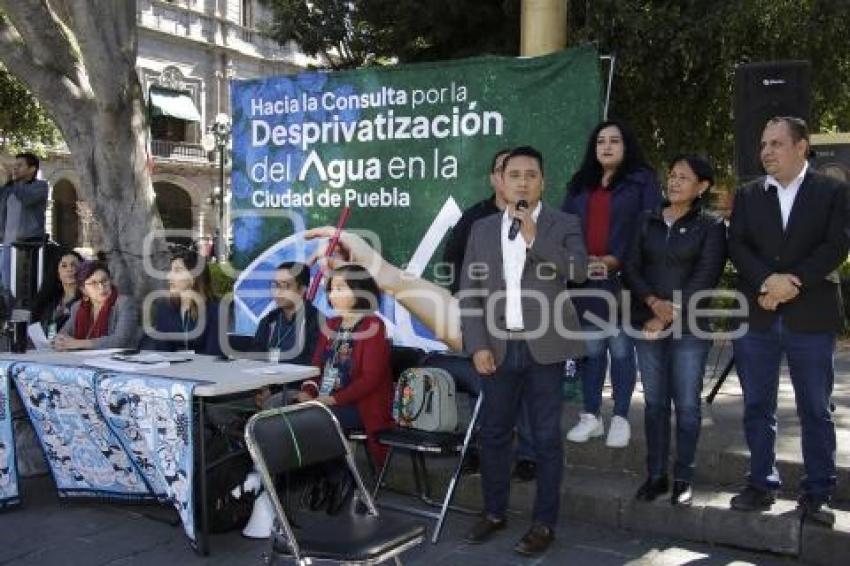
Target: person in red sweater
x,y
353,355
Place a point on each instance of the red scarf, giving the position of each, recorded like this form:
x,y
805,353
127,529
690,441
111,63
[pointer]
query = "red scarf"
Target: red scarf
x,y
83,329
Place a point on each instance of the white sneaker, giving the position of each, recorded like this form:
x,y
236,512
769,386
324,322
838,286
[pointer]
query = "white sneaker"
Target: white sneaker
x,y
589,426
619,433
262,518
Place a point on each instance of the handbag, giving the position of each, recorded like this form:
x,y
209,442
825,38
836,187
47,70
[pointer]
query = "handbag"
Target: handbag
x,y
425,399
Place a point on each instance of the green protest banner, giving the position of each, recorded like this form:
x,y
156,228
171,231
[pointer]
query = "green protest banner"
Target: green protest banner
x,y
407,147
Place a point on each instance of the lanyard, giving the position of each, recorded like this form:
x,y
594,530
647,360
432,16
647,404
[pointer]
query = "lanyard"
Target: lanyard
x,y
278,329
184,327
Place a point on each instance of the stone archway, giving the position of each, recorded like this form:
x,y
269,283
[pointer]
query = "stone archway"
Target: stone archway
x,y
65,228
175,209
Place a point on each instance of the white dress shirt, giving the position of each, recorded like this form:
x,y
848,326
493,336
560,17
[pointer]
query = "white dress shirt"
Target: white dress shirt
x,y
513,262
788,194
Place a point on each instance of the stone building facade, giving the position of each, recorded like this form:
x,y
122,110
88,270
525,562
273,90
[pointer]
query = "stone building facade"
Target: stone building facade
x,y
188,52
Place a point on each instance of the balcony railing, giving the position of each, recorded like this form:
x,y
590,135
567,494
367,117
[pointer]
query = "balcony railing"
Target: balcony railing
x,y
181,151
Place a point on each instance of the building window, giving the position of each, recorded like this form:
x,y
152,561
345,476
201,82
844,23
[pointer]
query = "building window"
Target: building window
x,y
247,13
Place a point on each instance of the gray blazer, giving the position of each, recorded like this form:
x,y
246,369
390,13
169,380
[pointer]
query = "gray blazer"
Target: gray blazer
x,y
33,197
124,331
558,255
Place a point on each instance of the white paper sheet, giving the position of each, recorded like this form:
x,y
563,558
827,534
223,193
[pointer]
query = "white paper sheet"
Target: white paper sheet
x,y
115,365
38,339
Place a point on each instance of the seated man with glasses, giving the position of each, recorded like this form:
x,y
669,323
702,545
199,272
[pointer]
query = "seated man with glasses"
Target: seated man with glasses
x,y
289,331
102,318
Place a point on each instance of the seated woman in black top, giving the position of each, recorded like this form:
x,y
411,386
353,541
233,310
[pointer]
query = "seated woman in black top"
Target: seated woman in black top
x,y
188,320
58,292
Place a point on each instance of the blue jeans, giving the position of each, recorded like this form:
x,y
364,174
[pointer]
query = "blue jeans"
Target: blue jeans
x,y
592,370
520,379
758,355
469,381
672,369
6,266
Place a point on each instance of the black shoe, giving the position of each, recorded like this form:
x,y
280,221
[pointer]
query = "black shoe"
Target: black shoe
x,y
652,489
525,471
535,541
753,499
816,510
471,463
484,530
683,493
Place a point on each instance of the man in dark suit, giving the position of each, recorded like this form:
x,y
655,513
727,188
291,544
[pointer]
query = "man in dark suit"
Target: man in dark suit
x,y
517,322
788,235
461,368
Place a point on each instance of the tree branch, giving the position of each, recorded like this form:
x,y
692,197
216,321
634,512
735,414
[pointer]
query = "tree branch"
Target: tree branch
x,y
15,55
107,36
48,40
63,99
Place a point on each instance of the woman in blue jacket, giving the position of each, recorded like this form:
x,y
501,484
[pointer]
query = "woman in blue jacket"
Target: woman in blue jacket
x,y
609,191
189,318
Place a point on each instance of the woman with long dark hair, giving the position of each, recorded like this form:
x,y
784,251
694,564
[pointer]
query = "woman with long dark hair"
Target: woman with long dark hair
x,y
679,250
188,320
609,191
58,292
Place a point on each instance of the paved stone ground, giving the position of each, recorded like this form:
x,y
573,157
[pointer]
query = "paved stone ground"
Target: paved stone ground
x,y
46,532
722,421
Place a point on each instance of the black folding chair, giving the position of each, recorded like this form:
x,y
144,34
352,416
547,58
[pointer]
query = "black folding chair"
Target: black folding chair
x,y
291,438
420,444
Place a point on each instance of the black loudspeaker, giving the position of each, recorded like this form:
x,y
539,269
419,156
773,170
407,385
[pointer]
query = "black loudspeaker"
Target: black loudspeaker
x,y
762,91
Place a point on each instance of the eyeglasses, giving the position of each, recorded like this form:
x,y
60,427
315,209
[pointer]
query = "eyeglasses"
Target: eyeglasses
x,y
281,286
102,283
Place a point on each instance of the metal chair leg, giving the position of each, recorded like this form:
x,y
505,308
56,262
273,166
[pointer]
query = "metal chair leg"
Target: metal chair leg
x,y
450,490
380,481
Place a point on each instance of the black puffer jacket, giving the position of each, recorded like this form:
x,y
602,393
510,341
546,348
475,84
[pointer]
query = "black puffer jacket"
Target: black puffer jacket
x,y
688,256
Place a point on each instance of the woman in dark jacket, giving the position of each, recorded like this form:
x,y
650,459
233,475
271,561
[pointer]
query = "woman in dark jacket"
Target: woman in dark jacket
x,y
678,251
189,318
59,291
608,193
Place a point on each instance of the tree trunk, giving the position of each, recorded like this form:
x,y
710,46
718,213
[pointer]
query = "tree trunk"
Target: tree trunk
x,y
79,59
112,163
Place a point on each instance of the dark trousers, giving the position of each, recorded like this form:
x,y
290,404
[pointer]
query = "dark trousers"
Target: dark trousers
x,y
758,355
671,370
517,380
469,381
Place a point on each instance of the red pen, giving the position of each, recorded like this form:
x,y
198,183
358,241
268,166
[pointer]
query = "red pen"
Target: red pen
x,y
314,285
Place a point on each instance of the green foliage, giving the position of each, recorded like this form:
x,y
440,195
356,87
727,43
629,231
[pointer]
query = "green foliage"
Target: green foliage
x,y
675,65
23,122
676,60
354,33
222,283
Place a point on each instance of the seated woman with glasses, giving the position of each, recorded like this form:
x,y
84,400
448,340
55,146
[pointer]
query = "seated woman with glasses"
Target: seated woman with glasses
x,y
102,318
187,320
57,294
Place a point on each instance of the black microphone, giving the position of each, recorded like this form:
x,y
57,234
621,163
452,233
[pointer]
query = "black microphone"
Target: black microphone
x,y
517,223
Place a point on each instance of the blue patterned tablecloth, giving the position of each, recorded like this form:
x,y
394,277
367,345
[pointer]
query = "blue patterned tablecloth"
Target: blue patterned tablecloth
x,y
114,435
9,495
152,418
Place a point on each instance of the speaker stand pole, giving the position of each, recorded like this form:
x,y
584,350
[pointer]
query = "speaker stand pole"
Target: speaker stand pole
x,y
723,375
